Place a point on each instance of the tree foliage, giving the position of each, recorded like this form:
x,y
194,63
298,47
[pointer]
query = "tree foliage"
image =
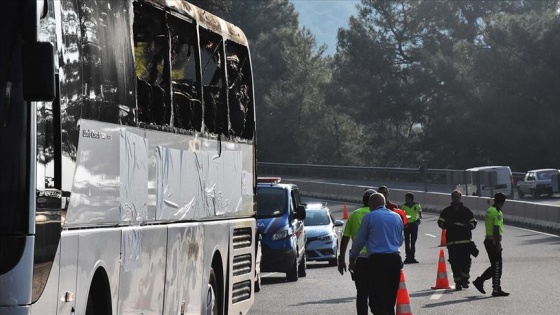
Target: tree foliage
x,y
453,83
448,84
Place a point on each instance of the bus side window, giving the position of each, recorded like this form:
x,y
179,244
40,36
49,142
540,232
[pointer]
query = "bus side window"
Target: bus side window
x,y
213,80
107,71
187,105
151,51
239,91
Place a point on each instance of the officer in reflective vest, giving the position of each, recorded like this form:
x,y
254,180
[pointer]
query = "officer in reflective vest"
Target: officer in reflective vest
x,y
358,271
414,214
494,221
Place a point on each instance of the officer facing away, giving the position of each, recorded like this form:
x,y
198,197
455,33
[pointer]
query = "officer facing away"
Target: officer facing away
x,y
359,270
382,234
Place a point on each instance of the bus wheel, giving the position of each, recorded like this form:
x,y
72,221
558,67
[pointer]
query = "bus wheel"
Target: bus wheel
x,y
211,301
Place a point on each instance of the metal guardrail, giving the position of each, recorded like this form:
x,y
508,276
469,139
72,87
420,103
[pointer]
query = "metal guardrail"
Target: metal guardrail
x,y
519,212
419,175
415,175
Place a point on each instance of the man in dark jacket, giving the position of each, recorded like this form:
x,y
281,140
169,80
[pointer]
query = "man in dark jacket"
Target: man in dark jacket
x,y
458,221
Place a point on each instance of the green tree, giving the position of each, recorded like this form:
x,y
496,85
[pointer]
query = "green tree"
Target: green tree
x,y
289,77
437,77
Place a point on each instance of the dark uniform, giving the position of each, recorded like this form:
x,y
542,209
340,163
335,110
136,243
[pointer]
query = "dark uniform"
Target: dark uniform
x,y
458,221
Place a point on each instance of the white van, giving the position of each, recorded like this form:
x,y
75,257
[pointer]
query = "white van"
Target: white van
x,y
485,181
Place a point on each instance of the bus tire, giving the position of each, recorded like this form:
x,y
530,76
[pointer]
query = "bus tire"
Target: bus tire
x,y
212,303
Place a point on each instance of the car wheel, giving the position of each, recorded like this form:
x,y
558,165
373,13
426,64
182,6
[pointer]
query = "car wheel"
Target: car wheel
x,y
535,193
258,283
302,269
334,261
521,194
292,275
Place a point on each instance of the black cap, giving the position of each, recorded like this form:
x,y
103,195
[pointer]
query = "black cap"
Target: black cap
x,y
499,197
369,192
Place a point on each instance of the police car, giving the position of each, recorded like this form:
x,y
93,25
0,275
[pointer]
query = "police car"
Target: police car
x,y
280,215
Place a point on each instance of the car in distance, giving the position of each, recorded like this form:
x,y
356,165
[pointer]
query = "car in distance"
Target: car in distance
x,y
322,237
280,215
539,182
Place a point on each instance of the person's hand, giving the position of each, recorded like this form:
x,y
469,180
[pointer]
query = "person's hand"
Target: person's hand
x,y
352,264
341,265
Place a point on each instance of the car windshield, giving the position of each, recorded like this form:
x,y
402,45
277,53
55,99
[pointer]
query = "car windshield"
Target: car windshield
x,y
271,202
314,218
546,175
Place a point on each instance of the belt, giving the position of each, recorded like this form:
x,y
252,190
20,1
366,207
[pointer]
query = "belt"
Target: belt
x,y
384,254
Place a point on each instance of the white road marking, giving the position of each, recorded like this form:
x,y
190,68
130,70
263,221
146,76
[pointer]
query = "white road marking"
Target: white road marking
x,y
437,295
430,235
528,230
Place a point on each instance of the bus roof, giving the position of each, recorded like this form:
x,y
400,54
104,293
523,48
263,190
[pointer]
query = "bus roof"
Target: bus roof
x,y
205,19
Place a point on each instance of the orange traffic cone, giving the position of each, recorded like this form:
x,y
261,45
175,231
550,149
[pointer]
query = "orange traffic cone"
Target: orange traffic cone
x,y
443,242
403,299
345,212
441,280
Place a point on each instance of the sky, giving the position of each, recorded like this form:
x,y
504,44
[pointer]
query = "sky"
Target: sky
x,y
324,17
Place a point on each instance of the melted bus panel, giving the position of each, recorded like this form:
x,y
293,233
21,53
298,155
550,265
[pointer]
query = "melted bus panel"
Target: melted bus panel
x,y
140,172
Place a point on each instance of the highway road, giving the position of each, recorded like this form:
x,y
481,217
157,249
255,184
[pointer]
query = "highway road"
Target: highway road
x,y
530,274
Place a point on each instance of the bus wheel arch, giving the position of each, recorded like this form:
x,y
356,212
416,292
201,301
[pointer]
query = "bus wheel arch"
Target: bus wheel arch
x,y
99,295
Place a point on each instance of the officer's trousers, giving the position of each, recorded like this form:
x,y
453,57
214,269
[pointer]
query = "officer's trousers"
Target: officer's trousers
x,y
384,274
410,237
460,261
495,269
360,277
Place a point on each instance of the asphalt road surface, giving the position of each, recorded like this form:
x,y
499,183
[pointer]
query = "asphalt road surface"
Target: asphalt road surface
x,y
531,274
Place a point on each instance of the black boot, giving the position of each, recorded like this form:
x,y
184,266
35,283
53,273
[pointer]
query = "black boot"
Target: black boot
x,y
479,285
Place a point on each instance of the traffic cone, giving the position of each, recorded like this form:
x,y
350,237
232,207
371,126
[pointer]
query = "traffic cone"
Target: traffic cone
x,y
443,242
345,212
403,299
441,280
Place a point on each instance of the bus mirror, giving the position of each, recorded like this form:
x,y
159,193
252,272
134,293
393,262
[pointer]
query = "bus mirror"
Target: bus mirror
x,y
38,72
